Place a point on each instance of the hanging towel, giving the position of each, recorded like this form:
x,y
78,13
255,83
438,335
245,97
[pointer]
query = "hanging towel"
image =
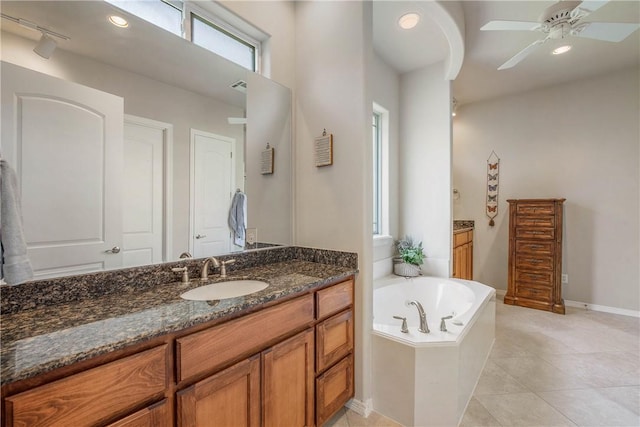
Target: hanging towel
x,y
14,264
238,217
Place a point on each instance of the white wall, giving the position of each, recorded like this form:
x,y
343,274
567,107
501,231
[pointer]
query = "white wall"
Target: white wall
x,y
146,98
333,203
579,141
425,159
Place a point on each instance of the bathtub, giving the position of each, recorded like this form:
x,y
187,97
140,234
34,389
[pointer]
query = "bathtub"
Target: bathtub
x,y
428,379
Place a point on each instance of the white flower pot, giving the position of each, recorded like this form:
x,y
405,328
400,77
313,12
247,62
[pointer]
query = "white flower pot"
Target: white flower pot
x,y
406,270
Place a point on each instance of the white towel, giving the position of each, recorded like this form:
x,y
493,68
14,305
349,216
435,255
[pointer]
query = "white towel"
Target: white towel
x,y
238,217
14,264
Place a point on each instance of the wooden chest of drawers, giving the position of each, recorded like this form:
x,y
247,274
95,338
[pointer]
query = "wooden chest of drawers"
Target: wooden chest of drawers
x,y
535,254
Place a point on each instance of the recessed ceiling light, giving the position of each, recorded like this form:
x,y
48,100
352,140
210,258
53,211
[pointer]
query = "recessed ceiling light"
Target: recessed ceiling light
x,y
562,49
118,21
408,20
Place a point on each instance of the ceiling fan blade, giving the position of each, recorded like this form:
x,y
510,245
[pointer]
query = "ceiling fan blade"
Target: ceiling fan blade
x,y
607,31
510,26
591,6
522,54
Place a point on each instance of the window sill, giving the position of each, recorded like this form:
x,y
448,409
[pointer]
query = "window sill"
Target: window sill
x,y
382,240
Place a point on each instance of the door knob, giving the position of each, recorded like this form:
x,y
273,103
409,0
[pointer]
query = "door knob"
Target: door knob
x,y
113,250
201,236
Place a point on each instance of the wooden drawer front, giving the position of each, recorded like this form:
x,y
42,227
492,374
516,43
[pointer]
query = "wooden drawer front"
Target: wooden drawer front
x,y
535,209
229,398
334,339
334,299
536,221
207,350
540,277
93,396
462,238
155,415
534,262
536,293
538,248
333,389
535,233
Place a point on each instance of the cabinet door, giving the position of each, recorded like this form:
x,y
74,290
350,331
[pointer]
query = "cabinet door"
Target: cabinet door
x,y
334,339
334,389
157,415
288,382
228,398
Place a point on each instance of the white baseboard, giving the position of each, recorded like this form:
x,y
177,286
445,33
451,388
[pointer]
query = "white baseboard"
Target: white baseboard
x,y
587,306
603,308
363,409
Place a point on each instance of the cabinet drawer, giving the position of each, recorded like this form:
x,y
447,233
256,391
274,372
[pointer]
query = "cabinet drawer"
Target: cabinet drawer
x,y
154,416
540,277
536,221
334,299
538,248
535,233
462,238
536,293
534,262
535,209
333,389
207,350
334,339
93,396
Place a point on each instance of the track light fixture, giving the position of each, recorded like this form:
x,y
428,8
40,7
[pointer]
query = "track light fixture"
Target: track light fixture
x,y
46,45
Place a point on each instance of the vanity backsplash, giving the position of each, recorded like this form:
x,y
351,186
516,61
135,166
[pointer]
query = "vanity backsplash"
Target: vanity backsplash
x,y
38,293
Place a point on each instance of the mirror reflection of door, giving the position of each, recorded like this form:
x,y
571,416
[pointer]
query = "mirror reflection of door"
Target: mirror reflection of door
x,y
212,181
146,191
65,142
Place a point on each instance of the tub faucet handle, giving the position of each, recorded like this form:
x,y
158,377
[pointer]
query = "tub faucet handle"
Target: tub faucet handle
x,y
443,325
404,329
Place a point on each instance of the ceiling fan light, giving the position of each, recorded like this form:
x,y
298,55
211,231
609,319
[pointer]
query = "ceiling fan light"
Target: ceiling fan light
x,y
408,20
562,49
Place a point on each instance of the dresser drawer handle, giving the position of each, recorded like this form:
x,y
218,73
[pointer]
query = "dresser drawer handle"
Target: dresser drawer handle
x,y
535,261
536,246
535,276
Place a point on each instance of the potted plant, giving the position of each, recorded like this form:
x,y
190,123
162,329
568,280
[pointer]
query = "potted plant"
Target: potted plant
x,y
410,258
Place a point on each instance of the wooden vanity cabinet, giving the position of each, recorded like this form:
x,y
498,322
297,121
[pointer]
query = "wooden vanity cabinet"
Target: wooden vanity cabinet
x,y
97,395
535,254
334,349
463,254
290,364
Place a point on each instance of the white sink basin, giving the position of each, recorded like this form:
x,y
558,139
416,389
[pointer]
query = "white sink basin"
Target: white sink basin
x,y
222,290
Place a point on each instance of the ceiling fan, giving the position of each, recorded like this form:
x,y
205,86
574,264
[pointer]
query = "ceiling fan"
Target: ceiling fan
x,y
561,20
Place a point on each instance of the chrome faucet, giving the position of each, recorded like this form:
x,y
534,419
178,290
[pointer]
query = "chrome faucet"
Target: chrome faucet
x,y
204,275
424,328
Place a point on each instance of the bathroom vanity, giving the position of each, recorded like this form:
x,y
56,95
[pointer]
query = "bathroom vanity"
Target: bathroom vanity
x,y
463,249
281,356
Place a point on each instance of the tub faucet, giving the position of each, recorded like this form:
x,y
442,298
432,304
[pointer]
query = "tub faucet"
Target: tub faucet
x,y
204,275
424,328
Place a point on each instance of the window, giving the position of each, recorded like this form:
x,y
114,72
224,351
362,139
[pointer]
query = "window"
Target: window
x,y
380,122
377,174
214,38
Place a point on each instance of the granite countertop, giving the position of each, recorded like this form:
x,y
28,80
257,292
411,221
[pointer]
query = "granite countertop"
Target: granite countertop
x,y
460,225
45,338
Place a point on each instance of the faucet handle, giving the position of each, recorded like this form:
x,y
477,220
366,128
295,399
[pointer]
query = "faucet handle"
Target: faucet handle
x,y
404,329
184,271
443,325
223,267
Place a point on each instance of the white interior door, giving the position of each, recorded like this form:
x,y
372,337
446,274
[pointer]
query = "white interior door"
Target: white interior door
x,y
65,142
212,172
144,198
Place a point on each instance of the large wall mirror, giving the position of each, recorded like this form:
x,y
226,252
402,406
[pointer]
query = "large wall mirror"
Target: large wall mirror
x,y
136,139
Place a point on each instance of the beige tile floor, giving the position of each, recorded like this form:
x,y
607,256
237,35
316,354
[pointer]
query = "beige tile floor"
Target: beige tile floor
x,y
581,369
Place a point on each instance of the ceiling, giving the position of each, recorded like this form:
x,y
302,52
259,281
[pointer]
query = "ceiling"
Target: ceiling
x,y
485,51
